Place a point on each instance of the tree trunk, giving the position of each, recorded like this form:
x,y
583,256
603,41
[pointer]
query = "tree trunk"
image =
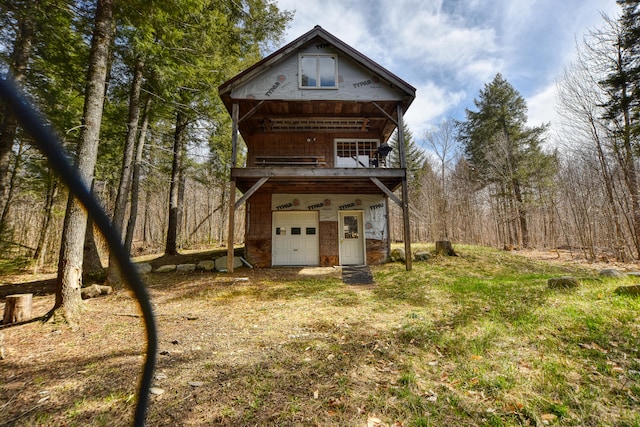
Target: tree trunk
x,y
135,178
113,270
182,211
608,186
146,225
17,164
40,252
20,60
69,281
444,247
171,247
522,215
91,264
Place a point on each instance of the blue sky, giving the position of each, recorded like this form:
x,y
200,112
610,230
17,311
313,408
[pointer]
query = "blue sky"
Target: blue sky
x,y
448,49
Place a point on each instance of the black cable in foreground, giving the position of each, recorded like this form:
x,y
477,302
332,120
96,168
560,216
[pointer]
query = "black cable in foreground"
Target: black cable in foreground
x,y
49,144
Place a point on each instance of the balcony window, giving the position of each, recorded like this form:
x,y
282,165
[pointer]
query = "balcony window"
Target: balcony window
x,y
357,153
318,72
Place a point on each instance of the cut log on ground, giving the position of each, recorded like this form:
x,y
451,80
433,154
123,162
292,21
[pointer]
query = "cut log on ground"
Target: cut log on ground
x,y
444,247
17,308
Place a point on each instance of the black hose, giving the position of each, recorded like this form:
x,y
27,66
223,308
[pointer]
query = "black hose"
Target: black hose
x,y
49,144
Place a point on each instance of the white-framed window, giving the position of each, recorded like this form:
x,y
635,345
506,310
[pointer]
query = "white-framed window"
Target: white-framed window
x,y
356,153
317,71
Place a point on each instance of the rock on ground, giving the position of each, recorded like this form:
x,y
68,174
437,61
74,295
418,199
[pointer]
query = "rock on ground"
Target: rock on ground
x,y
221,263
398,255
565,282
144,268
610,272
633,290
95,291
166,268
186,267
206,265
422,256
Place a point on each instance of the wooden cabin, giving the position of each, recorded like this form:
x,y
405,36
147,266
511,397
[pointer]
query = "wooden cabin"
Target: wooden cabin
x,y
316,116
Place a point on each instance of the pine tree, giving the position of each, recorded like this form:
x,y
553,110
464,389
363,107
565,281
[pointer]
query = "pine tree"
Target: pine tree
x,y
630,22
414,155
19,61
503,151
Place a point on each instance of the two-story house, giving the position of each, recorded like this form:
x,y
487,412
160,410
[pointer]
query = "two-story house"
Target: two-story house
x,y
316,116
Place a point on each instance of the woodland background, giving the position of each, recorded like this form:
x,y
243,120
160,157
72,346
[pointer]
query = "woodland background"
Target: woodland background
x,y
489,179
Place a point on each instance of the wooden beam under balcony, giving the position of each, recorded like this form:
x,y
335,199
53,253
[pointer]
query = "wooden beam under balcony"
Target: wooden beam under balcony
x,y
310,180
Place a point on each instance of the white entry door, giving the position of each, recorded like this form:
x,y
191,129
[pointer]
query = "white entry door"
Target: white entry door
x,y
351,238
295,238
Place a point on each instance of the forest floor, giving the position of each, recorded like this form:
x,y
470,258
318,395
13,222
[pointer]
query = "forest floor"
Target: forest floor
x,y
477,339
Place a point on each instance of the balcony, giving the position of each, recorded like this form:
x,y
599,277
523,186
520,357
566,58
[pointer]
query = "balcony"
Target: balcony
x,y
312,180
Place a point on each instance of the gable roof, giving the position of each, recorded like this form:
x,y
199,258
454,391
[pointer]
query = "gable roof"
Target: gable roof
x,y
318,32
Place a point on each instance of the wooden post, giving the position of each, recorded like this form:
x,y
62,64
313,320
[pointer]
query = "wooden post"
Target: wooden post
x,y
235,113
232,226
17,308
405,190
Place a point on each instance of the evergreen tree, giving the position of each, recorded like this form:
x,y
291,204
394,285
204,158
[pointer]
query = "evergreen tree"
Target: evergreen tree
x,y
19,61
503,151
223,36
46,53
69,280
414,155
630,22
623,78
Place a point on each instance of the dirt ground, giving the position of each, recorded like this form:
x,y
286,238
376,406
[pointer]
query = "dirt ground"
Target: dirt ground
x,y
49,369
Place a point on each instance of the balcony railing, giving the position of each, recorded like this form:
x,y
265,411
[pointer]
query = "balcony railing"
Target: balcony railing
x,y
290,161
374,161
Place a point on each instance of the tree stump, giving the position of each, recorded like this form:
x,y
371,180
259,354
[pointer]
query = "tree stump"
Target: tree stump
x,y
444,247
17,308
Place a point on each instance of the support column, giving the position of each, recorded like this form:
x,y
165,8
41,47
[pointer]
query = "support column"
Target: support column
x,y
405,190
235,112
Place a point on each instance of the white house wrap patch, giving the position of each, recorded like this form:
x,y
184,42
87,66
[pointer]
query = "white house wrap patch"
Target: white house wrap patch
x,y
328,206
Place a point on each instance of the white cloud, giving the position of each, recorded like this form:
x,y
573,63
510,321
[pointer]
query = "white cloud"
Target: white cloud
x,y
348,24
448,49
429,37
430,106
542,107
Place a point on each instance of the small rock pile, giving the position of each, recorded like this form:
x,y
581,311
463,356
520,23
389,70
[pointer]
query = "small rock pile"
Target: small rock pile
x,y
218,264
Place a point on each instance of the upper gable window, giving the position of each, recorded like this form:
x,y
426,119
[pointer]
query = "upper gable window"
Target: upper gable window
x,y
318,71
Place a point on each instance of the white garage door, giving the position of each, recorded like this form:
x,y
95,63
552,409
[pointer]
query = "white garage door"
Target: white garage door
x,y
295,238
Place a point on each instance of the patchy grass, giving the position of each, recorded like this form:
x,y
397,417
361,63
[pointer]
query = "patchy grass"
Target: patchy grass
x,y
14,265
476,339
